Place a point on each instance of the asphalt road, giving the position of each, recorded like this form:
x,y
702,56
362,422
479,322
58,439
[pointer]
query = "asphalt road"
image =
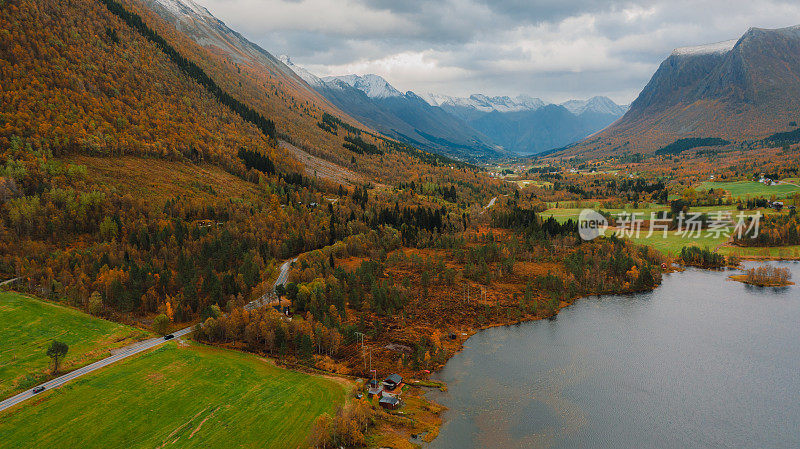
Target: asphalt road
x,y
8,281
136,348
491,203
269,297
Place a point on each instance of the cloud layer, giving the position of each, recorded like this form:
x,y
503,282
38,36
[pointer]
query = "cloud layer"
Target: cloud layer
x,y
554,49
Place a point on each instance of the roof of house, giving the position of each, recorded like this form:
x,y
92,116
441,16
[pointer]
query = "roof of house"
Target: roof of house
x,y
389,400
394,378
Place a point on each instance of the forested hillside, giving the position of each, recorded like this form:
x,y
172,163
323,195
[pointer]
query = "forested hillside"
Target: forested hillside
x,y
137,174
77,79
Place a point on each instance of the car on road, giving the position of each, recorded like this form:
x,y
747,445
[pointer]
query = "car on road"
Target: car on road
x,y
38,389
169,337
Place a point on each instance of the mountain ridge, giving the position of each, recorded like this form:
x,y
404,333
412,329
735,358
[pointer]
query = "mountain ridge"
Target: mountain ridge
x,y
737,90
517,130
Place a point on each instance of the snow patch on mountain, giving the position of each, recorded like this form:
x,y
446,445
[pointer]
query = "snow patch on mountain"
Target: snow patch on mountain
x,y
375,86
372,85
183,7
531,103
599,104
485,103
717,47
307,76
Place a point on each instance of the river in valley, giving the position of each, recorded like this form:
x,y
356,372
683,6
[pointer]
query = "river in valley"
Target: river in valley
x,y
701,362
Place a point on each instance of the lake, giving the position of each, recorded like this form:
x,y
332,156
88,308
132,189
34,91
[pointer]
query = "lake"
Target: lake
x,y
701,362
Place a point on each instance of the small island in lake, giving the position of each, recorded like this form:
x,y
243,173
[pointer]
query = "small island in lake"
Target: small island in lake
x,y
765,276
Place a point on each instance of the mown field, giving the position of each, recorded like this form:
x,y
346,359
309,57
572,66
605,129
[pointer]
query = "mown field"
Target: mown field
x,y
29,325
775,252
742,189
180,395
673,243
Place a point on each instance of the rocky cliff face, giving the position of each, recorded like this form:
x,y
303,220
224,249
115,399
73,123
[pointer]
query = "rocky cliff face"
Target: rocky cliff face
x,y
737,90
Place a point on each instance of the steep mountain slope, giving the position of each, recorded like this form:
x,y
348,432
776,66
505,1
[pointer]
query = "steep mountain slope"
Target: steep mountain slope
x,y
302,98
250,73
106,89
735,90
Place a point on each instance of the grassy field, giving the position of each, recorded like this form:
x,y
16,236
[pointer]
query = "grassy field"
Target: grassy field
x,y
672,244
564,214
783,252
29,326
180,395
741,189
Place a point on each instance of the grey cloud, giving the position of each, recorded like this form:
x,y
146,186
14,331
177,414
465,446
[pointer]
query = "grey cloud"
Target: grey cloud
x,y
554,49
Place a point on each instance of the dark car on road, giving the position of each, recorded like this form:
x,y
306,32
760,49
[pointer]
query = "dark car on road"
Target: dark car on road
x,y
38,389
169,337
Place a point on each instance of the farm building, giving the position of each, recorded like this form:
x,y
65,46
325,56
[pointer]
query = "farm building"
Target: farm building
x,y
391,382
374,389
390,402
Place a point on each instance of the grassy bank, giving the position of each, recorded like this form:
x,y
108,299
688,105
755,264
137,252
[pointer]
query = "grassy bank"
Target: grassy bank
x,y
179,395
29,326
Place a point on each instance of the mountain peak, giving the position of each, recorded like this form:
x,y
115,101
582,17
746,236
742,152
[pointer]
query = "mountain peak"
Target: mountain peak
x,y
307,76
485,103
372,85
735,90
595,104
530,102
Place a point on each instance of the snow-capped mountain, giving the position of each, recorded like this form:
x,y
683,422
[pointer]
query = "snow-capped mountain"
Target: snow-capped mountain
x,y
470,107
405,116
310,78
526,124
603,105
372,85
484,103
478,125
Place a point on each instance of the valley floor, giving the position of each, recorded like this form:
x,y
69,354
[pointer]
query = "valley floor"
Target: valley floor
x,y
179,395
28,327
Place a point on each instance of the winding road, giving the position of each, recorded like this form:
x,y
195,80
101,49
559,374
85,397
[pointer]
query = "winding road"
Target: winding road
x,y
8,281
491,203
270,297
136,348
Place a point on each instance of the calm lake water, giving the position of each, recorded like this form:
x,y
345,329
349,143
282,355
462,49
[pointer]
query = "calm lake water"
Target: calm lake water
x,y
701,362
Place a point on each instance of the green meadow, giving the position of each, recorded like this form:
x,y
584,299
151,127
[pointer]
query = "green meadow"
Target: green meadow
x,y
743,189
180,395
673,243
28,327
779,252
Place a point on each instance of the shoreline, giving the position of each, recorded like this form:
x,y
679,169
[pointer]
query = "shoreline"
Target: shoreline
x,y
470,333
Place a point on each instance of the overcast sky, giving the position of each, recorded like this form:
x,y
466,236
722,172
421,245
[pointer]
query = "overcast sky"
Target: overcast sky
x,y
553,49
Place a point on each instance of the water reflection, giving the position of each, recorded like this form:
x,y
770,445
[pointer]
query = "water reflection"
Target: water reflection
x,y
700,362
